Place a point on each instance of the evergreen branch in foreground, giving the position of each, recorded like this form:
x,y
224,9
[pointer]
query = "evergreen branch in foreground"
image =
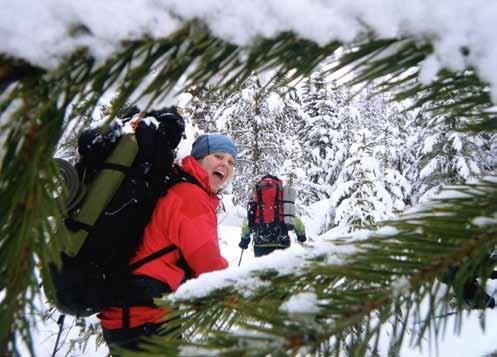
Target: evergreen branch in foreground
x,y
380,286
37,105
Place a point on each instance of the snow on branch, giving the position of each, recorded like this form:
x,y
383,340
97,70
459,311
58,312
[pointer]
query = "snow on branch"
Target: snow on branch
x,y
45,31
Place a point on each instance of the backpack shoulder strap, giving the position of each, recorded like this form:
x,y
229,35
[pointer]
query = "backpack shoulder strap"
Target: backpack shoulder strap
x,y
277,202
260,204
177,176
153,256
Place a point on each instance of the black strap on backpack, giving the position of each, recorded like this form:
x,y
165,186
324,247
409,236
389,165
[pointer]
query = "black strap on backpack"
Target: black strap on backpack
x,y
142,289
270,176
178,176
152,257
260,205
112,166
277,205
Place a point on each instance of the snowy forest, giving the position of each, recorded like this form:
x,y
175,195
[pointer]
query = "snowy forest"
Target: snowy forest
x,y
382,117
363,156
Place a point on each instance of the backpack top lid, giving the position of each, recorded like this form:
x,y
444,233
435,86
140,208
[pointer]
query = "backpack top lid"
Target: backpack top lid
x,y
269,200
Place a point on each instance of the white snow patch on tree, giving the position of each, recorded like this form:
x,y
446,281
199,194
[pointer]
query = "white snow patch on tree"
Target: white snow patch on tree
x,y
38,31
484,221
429,169
386,231
456,141
275,103
302,303
248,94
429,143
462,168
400,286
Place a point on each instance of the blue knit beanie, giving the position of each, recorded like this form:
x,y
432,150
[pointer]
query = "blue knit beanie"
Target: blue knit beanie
x,y
210,143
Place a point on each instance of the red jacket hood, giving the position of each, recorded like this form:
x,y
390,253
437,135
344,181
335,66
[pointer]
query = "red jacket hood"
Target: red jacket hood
x,y
191,166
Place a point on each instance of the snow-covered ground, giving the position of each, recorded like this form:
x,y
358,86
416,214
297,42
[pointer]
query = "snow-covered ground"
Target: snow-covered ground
x,y
470,342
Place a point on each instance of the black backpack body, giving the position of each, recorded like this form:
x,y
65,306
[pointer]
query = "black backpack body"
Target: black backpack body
x,y
99,275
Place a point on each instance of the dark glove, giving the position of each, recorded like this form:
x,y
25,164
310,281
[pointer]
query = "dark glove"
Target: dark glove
x,y
128,112
95,144
171,125
475,297
491,303
251,207
154,149
244,242
483,302
146,137
301,238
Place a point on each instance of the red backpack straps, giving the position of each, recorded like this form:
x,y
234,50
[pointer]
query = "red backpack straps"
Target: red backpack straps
x,y
269,200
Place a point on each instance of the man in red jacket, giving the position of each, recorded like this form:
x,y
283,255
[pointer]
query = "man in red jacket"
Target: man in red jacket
x,y
184,219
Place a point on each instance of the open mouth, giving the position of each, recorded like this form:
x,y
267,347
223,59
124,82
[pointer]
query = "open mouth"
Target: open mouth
x,y
219,174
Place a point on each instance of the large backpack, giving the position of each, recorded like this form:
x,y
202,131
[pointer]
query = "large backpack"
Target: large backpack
x,y
121,176
266,216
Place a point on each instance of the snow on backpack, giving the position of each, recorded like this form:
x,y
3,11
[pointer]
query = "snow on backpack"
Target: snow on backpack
x,y
266,212
110,196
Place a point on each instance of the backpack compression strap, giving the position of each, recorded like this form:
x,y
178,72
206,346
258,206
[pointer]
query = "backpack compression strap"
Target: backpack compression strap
x,y
116,167
260,204
277,204
153,256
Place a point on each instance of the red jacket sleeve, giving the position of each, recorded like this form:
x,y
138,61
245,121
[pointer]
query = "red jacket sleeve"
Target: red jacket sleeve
x,y
205,259
198,238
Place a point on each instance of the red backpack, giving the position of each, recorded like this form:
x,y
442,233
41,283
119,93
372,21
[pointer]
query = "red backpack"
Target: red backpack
x,y
267,205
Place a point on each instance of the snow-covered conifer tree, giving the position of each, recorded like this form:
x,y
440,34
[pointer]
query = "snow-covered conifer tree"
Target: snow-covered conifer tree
x,y
390,137
313,92
250,117
286,110
324,135
205,103
361,197
446,154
